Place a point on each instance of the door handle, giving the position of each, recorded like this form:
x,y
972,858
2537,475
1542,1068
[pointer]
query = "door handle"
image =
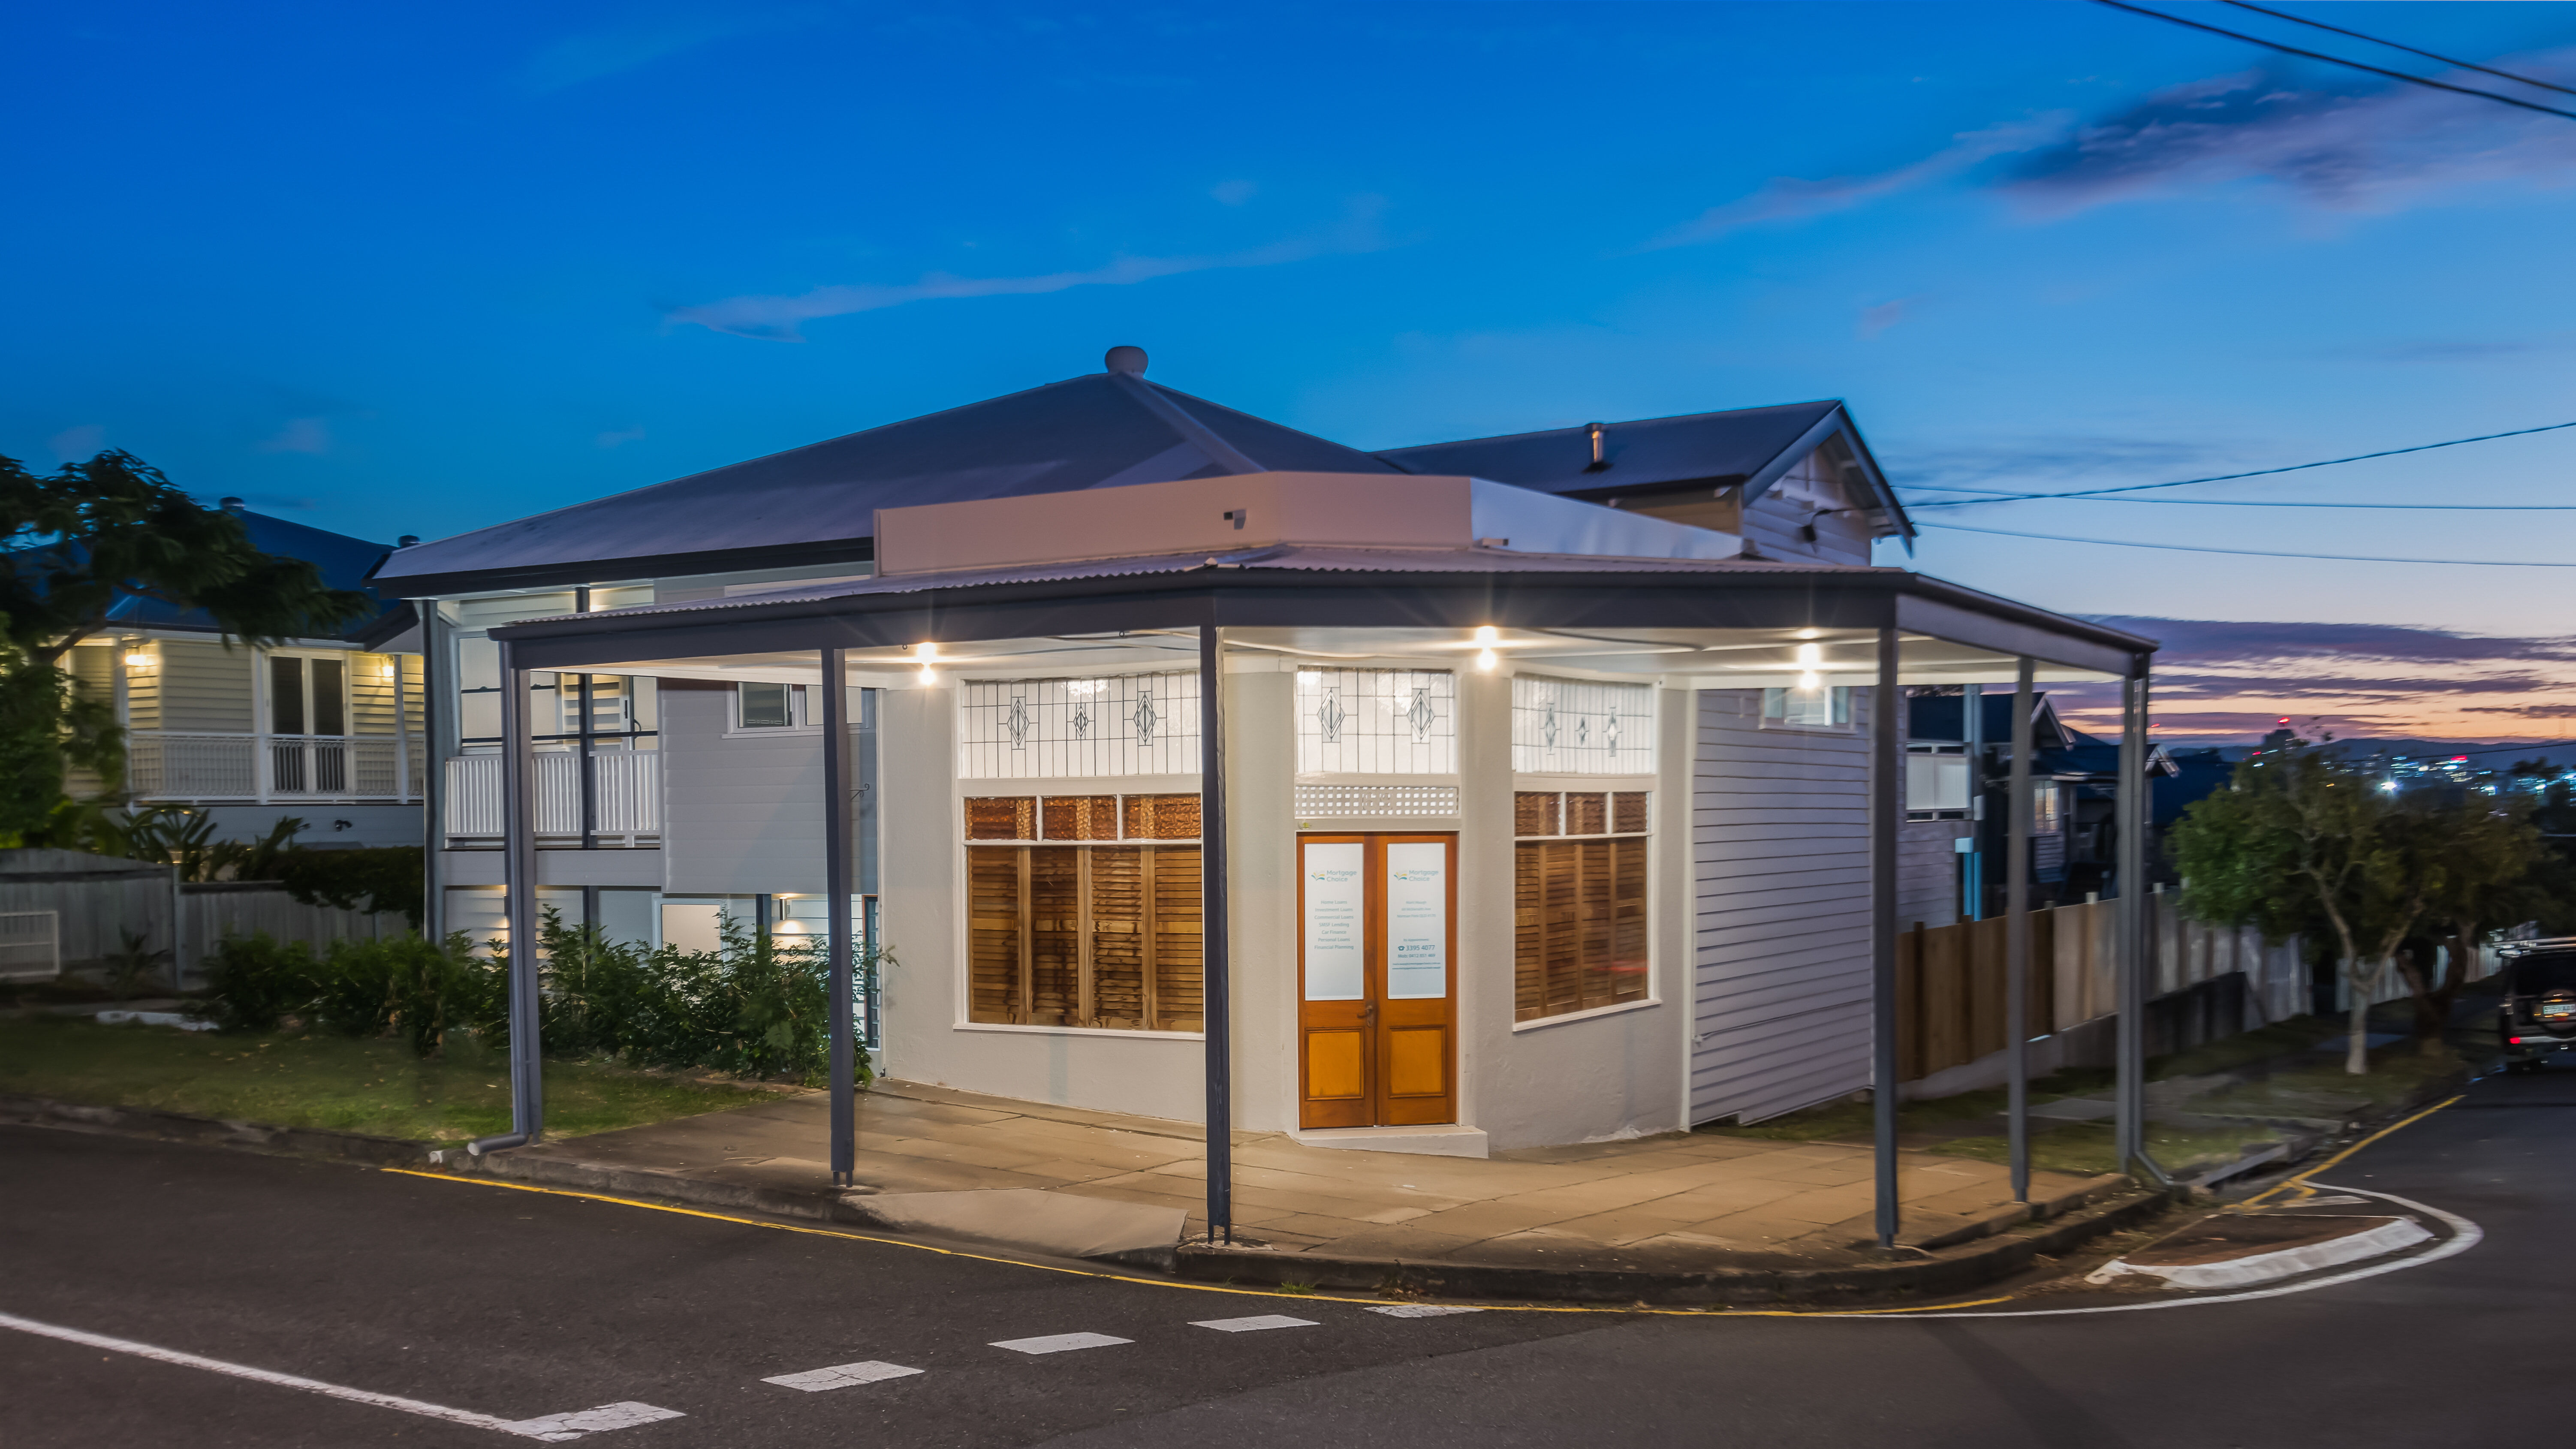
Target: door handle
x,y
1368,1012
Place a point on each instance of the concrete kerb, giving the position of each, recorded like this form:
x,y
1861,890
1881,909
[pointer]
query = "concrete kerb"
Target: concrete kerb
x,y
1931,1275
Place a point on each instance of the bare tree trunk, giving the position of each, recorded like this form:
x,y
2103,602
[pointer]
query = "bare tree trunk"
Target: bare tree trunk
x,y
2356,1051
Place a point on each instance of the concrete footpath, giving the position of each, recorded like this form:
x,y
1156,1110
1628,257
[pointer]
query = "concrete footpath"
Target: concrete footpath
x,y
1685,1214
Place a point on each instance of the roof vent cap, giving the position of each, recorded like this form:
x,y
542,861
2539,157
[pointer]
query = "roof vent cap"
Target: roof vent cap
x,y
407,540
1125,359
229,505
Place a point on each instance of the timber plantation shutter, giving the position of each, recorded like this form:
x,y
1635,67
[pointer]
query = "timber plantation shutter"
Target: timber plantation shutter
x,y
1098,936
1580,941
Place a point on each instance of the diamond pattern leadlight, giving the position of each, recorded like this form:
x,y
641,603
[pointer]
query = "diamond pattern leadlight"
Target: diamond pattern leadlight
x,y
1105,725
1582,726
1376,721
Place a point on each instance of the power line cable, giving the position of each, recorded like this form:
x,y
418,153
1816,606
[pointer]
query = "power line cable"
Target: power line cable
x,y
2338,60
2493,563
2393,45
2003,497
2263,472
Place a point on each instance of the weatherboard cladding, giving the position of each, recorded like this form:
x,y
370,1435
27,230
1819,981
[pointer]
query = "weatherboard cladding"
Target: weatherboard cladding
x,y
1780,850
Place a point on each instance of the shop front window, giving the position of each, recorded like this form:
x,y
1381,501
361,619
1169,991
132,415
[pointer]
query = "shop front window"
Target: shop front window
x,y
1579,900
1083,911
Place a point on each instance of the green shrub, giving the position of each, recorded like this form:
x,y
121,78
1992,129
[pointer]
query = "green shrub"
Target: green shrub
x,y
258,981
756,1007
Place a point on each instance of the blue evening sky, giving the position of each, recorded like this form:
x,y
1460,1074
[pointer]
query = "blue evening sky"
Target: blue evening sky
x,y
415,270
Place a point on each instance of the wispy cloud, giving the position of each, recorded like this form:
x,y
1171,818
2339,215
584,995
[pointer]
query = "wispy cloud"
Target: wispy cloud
x,y
2373,149
614,437
1876,320
300,435
2229,680
780,319
2049,460
1233,193
1790,198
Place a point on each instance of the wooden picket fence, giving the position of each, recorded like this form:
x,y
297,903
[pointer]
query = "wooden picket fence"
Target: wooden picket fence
x,y
1950,987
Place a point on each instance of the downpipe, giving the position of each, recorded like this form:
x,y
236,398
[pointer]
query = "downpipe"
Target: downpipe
x,y
481,1145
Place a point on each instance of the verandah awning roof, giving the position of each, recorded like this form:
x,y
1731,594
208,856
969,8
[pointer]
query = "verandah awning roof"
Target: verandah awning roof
x,y
1292,588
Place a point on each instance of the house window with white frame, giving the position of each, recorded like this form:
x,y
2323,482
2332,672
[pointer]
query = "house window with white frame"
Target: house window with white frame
x,y
1826,707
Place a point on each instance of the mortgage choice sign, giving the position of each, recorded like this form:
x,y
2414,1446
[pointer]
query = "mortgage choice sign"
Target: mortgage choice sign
x,y
1417,921
1336,967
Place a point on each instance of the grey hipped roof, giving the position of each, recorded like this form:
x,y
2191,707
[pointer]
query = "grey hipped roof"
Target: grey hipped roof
x,y
343,562
817,504
1751,447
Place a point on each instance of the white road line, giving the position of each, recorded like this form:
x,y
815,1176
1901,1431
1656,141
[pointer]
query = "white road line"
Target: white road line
x,y
2464,1236
1256,1323
1060,1342
843,1376
1421,1310
553,1429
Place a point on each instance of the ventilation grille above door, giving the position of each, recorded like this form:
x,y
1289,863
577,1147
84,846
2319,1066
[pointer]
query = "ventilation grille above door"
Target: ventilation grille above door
x,y
1370,802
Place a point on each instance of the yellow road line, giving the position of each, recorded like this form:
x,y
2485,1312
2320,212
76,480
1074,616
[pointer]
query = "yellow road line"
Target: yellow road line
x,y
1174,1283
2300,1180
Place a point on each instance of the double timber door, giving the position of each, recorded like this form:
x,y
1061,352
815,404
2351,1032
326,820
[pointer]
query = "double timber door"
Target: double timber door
x,y
1377,1015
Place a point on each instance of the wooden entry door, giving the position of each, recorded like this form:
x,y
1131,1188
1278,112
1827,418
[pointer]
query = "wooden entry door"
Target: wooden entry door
x,y
1377,1014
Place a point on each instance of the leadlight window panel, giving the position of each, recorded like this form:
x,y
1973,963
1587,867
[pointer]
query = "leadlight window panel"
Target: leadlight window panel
x,y
1079,817
1098,936
1106,727
1002,817
1580,928
1582,726
1162,817
1377,722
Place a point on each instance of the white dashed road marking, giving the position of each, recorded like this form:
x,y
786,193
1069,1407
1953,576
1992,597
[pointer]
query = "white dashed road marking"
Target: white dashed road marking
x,y
1060,1342
842,1376
1255,1324
561,1428
1422,1310
552,1429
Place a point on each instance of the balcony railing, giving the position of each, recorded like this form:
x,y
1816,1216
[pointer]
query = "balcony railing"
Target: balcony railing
x,y
208,767
626,797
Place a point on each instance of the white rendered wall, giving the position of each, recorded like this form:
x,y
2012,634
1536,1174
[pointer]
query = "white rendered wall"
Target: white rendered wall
x,y
1583,1078
927,1038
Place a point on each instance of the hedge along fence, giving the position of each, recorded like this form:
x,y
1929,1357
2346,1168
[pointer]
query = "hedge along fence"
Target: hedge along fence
x,y
754,1006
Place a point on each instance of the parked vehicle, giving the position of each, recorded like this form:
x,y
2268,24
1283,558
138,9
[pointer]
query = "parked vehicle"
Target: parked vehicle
x,y
2539,1015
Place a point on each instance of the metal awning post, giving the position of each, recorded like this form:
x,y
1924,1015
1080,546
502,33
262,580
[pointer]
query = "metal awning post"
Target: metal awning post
x,y
2017,932
1887,809
1972,744
519,880
2130,956
1217,1021
838,886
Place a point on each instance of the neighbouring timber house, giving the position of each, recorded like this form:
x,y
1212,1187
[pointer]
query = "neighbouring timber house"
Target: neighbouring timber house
x,y
1554,805
329,731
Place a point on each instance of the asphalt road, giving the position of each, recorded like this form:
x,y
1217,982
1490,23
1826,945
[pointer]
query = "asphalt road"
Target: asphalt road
x,y
520,1305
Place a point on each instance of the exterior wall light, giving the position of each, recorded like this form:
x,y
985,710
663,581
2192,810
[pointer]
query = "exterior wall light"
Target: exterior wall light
x,y
138,659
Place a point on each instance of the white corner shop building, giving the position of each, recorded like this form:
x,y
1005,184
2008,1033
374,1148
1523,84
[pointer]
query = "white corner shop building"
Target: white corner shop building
x,y
1553,808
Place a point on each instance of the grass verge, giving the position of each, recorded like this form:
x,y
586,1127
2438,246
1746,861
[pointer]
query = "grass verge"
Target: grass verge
x,y
339,1084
